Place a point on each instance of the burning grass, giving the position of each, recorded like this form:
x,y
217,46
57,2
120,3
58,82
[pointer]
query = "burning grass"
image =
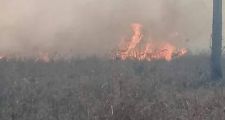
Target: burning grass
x,y
101,89
132,49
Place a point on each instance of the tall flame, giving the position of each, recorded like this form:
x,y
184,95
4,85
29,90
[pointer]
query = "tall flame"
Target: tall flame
x,y
132,50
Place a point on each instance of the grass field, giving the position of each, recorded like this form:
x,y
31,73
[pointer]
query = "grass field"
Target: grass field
x,y
101,89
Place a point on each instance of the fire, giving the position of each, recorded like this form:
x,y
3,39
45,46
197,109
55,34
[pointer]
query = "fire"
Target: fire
x,y
43,57
40,57
151,51
133,48
2,56
136,38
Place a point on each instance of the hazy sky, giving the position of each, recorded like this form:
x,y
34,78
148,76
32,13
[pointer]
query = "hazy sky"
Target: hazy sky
x,y
96,26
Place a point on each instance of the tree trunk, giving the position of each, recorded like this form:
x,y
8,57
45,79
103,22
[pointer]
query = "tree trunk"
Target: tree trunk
x,y
216,69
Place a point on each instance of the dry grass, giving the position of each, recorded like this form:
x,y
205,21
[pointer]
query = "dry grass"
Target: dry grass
x,y
100,89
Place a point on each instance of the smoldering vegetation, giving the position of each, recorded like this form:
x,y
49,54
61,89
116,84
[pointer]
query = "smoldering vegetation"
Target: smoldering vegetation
x,y
103,89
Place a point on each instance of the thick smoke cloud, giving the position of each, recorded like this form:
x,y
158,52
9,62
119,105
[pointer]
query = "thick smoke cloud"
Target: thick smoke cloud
x,y
95,27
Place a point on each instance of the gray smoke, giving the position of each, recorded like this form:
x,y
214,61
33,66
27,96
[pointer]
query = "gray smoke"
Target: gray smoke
x,y
95,27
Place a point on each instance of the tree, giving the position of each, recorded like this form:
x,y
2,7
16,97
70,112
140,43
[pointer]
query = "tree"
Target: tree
x,y
216,69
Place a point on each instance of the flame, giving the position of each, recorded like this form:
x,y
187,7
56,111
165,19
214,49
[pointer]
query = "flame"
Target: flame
x,y
128,49
2,56
43,57
40,57
152,51
136,38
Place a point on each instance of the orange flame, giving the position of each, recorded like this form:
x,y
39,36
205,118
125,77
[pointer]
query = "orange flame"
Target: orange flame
x,y
164,50
43,57
2,56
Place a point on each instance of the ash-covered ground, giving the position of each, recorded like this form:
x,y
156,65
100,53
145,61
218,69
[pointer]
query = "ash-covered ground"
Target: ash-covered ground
x,y
102,89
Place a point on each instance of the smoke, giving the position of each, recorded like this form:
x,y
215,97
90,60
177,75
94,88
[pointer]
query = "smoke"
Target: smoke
x,y
95,27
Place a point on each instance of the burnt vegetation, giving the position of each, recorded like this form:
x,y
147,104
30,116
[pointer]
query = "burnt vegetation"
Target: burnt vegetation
x,y
103,89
